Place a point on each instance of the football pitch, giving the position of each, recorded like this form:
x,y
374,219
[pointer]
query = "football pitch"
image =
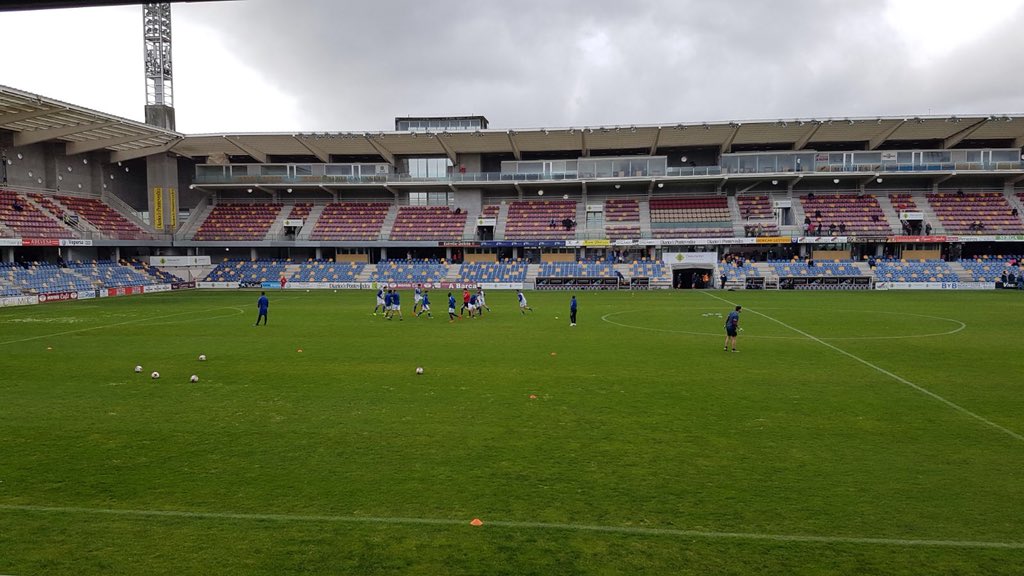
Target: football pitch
x,y
853,433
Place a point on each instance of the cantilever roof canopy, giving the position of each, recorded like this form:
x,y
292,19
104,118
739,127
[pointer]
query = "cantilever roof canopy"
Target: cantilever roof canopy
x,y
35,118
794,134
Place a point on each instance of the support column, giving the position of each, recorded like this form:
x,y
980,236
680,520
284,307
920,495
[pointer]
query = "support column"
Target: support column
x,y
252,254
117,253
162,192
383,253
9,254
319,253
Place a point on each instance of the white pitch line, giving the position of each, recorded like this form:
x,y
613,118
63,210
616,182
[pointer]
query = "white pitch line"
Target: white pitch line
x,y
147,319
895,377
637,530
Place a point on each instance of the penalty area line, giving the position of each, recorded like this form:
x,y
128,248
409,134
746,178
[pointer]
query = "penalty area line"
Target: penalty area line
x,y
628,530
895,377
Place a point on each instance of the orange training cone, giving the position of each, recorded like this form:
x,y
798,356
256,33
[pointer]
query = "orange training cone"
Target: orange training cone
x,y
476,522
533,396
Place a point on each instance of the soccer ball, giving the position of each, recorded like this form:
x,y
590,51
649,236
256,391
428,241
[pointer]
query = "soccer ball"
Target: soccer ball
x,y
154,375
138,369
194,379
419,370
202,357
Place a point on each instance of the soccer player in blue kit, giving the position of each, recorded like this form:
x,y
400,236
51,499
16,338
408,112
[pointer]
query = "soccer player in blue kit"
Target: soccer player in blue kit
x,y
263,304
451,307
732,326
387,304
380,302
425,305
396,305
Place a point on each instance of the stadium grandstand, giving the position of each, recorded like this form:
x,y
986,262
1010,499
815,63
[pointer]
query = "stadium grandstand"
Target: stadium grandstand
x,y
923,199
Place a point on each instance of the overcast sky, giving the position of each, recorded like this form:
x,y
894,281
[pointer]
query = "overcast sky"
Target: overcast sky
x,y
327,65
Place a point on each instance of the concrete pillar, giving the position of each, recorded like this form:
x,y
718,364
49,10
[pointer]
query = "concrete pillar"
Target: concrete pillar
x,y
162,192
9,254
448,254
319,253
252,254
383,253
117,253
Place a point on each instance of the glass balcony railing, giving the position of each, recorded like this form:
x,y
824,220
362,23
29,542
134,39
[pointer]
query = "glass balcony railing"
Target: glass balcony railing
x,y
677,172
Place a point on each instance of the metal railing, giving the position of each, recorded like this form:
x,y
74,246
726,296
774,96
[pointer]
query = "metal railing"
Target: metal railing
x,y
676,172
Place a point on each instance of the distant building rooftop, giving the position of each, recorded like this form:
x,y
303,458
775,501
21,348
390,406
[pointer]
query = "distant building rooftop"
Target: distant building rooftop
x,y
440,123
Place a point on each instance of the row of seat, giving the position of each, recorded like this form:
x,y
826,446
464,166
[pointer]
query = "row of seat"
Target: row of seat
x,y
428,223
42,277
28,221
540,219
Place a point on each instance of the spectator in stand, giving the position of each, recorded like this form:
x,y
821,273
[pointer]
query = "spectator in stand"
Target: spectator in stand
x,y
819,227
832,229
927,228
807,220
17,206
817,214
960,193
842,227
724,279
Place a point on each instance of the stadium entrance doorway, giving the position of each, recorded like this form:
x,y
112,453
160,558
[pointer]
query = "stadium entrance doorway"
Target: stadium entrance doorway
x,y
692,278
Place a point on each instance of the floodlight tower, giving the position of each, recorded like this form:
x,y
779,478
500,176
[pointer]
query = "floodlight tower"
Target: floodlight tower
x,y
161,169
156,33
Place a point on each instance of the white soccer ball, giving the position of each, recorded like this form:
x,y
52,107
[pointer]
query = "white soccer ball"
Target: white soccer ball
x,y
419,370
138,369
155,375
202,357
194,379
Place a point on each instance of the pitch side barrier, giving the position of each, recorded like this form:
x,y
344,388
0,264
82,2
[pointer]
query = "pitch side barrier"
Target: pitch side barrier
x,y
856,283
591,283
69,296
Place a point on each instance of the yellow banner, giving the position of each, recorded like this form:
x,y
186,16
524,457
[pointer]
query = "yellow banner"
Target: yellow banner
x,y
158,208
596,243
774,240
172,196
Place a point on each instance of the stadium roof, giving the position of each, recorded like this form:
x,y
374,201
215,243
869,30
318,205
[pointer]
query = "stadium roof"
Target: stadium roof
x,y
35,119
41,4
796,134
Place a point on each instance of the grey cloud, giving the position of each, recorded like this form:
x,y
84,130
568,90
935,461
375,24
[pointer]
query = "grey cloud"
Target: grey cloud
x,y
550,63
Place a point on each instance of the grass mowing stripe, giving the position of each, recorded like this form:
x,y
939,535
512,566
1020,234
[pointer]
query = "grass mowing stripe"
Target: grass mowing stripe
x,y
150,318
896,377
634,530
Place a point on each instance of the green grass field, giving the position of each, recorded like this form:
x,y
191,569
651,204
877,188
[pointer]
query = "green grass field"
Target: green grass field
x,y
854,433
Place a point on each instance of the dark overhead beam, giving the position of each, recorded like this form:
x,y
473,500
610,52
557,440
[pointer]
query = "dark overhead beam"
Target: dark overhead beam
x,y
959,136
55,4
36,136
880,138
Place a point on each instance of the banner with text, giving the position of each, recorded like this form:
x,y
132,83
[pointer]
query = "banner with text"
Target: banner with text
x,y
158,208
